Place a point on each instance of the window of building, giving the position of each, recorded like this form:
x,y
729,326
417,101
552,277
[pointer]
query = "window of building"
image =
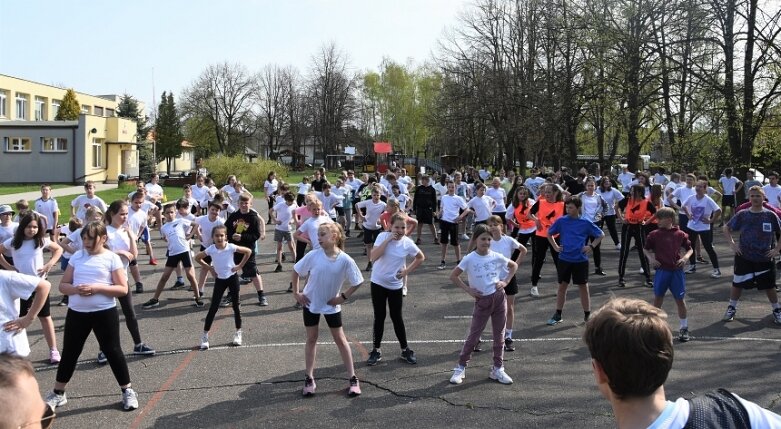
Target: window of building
x,y
3,104
110,112
55,108
54,144
17,144
98,111
85,109
40,109
97,153
21,107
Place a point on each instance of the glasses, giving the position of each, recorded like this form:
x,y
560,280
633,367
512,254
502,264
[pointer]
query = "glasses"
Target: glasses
x,y
46,420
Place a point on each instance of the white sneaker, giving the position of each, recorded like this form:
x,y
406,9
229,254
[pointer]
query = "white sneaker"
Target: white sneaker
x,y
641,271
499,375
205,341
534,292
54,400
404,291
129,399
237,338
716,273
691,269
465,237
618,246
459,372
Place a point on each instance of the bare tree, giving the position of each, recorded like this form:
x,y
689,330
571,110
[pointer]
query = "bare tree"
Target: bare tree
x,y
272,93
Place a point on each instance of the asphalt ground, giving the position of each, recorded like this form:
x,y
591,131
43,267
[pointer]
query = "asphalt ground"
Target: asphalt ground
x,y
259,384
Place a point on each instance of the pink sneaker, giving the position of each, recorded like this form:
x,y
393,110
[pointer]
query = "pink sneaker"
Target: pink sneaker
x,y
309,387
54,356
355,388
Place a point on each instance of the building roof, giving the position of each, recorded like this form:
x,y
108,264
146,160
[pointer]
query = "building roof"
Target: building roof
x,y
39,124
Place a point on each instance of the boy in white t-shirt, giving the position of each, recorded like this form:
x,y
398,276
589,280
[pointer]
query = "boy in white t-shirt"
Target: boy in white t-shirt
x,y
81,203
449,218
283,216
13,287
47,206
206,225
730,186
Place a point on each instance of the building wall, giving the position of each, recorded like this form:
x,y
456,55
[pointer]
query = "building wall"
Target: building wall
x,y
184,162
38,165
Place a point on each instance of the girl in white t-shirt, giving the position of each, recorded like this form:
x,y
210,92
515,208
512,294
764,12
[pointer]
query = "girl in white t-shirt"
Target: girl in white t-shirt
x,y
218,259
26,248
489,273
270,188
326,269
513,250
95,277
13,287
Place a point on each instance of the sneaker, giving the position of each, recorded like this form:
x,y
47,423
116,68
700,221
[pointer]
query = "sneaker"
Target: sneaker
x,y
621,283
404,291
63,302
152,261
237,338
226,302
701,260
290,288
139,287
716,273
374,357
683,335
54,357
355,388
618,246
409,356
143,349
464,237
478,346
691,269
284,258
245,280
641,271
729,315
204,341
499,375
54,400
508,345
441,266
179,284
534,292
198,303
298,306
151,303
554,320
278,269
129,399
598,271
459,373
102,360
263,301
309,387
777,316
369,266
648,283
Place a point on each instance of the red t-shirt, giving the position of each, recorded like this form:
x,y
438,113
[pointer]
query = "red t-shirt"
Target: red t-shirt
x,y
666,245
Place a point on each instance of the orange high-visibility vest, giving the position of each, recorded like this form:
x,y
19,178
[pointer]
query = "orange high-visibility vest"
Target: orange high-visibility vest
x,y
636,211
547,213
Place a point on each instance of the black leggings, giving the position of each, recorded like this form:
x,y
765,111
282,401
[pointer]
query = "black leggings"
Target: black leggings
x,y
628,232
126,302
105,325
707,243
232,284
380,296
596,251
522,237
610,221
301,249
540,246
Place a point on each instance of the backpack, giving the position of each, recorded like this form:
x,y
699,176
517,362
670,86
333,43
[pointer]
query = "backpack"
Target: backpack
x,y
718,409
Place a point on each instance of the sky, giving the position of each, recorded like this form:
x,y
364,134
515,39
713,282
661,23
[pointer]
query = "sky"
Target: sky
x,y
116,47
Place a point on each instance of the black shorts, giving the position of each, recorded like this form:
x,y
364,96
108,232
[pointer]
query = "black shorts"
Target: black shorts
x,y
424,216
370,235
207,259
575,272
183,257
339,211
313,319
133,263
512,287
750,274
250,269
10,261
728,201
448,232
25,304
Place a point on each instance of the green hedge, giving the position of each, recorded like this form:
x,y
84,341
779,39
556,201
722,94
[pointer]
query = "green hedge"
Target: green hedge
x,y
251,174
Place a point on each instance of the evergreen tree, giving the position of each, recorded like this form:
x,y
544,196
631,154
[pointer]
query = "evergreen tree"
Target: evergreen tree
x,y
168,130
70,109
128,108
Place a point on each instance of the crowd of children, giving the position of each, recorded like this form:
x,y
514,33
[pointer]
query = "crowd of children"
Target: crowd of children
x,y
558,214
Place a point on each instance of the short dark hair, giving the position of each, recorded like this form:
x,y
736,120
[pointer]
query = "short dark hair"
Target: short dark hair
x,y
575,201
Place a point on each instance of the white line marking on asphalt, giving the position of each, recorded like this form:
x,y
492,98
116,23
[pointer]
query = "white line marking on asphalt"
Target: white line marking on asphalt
x,y
458,317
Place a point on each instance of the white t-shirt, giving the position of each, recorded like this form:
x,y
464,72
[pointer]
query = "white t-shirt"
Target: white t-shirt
x,y
13,287
353,183
136,220
441,190
270,187
7,232
75,242
699,209
222,259
669,189
326,277
660,179
728,184
48,209
92,269
482,206
310,226
625,179
284,214
154,190
118,240
533,185
392,261
505,246
403,200
373,213
303,188
342,192
201,194
329,202
611,197
175,233
676,415
772,193
207,227
499,196
83,202
484,271
27,258
450,206
682,194
592,206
